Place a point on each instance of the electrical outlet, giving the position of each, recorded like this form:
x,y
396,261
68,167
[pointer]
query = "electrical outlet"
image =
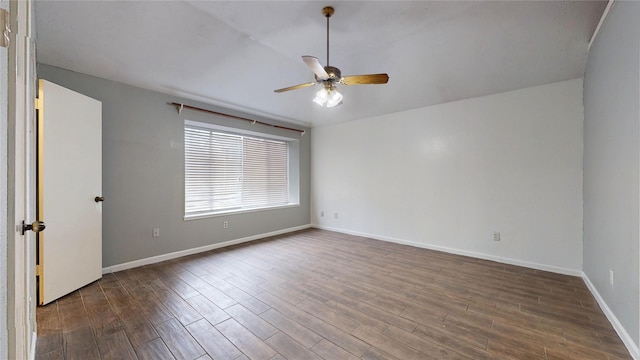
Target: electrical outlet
x,y
225,224
496,236
611,276
156,232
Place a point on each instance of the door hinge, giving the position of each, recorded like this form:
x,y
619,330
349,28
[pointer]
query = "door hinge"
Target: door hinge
x,y
5,26
37,104
38,270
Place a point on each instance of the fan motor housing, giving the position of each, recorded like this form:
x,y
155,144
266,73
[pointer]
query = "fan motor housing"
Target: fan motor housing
x,y
334,74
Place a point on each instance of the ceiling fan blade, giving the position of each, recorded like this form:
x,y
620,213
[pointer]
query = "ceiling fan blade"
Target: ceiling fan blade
x,y
365,79
295,87
314,64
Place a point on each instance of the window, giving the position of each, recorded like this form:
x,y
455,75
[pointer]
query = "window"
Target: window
x,y
232,171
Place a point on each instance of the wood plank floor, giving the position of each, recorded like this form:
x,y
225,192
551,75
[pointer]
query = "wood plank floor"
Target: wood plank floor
x,y
321,295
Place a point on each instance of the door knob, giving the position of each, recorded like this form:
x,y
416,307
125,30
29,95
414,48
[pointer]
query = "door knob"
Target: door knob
x,y
35,226
98,198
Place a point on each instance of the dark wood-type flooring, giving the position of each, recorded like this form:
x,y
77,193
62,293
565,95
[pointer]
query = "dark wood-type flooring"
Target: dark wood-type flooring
x,y
321,295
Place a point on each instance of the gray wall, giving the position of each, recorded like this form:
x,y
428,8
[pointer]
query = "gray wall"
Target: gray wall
x,y
611,163
143,173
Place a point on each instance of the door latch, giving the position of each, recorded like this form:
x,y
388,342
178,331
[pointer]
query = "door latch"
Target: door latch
x,y
35,226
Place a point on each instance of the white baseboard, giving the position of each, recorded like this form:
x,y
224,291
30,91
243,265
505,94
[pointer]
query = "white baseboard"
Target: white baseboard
x,y
531,265
34,340
181,253
622,332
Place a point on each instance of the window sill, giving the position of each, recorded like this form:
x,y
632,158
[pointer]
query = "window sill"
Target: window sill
x,y
236,211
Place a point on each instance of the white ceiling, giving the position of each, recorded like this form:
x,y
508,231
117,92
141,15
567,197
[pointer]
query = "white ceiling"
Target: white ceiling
x,y
235,53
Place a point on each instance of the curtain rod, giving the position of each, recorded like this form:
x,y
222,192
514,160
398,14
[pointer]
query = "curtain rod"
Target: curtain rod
x,y
179,107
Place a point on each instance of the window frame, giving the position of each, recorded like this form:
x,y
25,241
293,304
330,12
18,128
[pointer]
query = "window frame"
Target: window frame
x,y
293,166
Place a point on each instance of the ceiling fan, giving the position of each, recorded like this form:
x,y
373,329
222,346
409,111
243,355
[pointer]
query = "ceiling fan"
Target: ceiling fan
x,y
330,76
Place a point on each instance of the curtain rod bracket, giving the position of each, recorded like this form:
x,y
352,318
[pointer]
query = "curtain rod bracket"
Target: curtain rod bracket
x,y
178,106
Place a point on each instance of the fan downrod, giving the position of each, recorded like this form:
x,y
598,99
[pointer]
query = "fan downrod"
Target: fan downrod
x,y
327,11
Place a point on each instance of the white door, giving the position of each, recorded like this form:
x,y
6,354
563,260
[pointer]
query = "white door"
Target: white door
x,y
69,190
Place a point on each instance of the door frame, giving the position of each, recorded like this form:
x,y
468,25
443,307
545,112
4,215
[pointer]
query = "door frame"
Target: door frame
x,y
4,73
20,185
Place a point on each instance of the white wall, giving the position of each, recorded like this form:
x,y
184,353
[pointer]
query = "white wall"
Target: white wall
x,y
612,166
448,176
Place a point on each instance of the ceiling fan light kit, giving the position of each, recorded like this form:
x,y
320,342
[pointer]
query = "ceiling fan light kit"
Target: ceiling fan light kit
x,y
329,96
329,76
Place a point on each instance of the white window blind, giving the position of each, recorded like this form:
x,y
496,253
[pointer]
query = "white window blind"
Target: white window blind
x,y
226,172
